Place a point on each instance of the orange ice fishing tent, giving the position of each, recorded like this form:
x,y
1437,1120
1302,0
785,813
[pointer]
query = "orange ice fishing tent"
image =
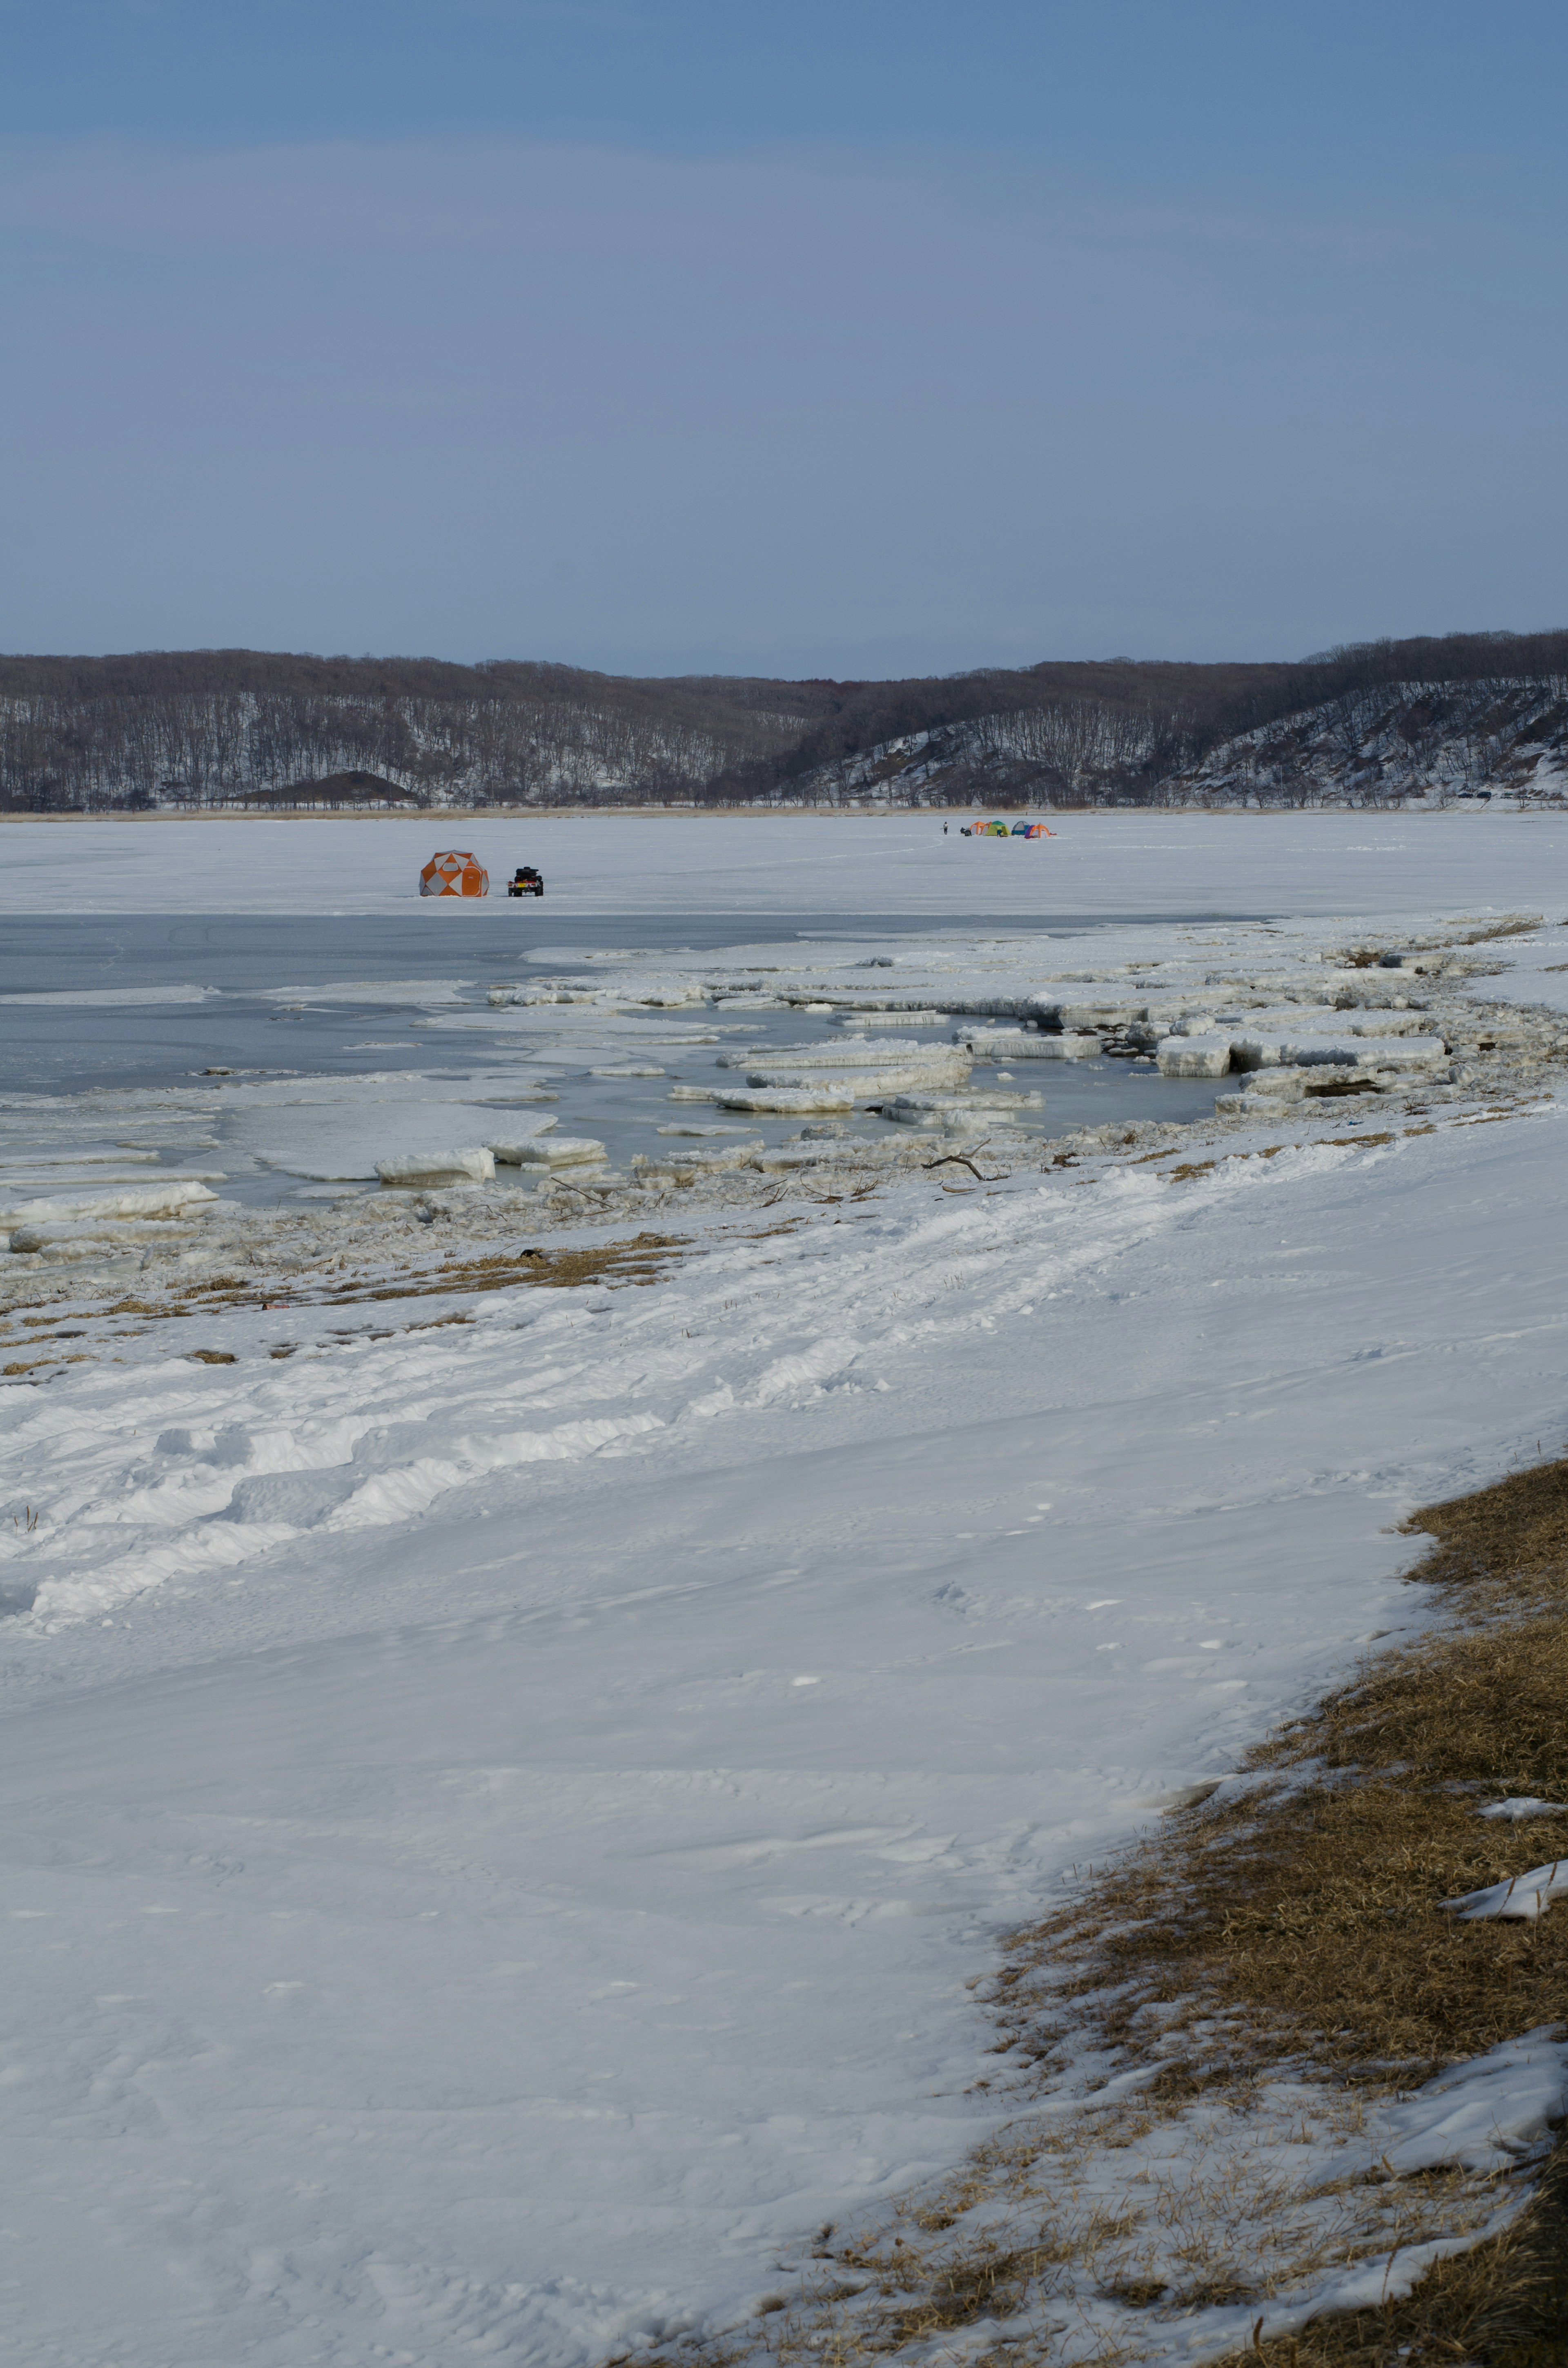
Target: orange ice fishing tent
x,y
454,875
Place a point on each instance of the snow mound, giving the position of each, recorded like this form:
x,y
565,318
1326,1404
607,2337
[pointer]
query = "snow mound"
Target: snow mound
x,y
1483,2115
1518,1901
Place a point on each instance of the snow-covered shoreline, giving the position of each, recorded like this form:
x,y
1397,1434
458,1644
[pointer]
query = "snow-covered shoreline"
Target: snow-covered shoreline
x,y
503,1812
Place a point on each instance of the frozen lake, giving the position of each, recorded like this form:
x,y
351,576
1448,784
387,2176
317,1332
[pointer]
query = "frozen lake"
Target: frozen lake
x,y
330,1002
1098,867
506,1793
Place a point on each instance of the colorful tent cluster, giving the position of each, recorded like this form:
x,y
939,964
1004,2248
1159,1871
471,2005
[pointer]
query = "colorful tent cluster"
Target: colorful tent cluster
x,y
1031,830
1019,830
454,875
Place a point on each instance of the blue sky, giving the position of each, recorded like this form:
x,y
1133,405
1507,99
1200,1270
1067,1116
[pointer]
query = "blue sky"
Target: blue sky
x,y
683,335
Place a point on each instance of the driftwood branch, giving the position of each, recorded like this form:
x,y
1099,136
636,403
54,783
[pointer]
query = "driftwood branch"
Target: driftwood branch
x,y
957,1159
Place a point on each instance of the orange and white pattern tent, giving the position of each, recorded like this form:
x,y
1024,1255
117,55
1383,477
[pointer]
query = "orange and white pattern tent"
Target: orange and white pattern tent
x,y
454,875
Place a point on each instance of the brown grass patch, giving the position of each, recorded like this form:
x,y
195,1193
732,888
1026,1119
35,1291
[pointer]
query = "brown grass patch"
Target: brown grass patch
x,y
1504,2304
1518,924
1307,1912
643,1260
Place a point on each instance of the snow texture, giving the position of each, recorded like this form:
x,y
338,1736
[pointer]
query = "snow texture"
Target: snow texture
x,y
1099,864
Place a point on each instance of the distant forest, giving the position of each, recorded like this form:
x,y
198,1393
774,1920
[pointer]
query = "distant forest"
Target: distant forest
x,y
244,728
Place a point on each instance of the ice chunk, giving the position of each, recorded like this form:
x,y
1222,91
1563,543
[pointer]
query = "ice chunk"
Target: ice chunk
x,y
847,1055
517,1147
908,1076
89,1236
1193,1056
474,1165
931,1110
690,1130
1403,1053
1527,1807
853,1018
1025,1044
553,1151
1109,1014
786,1101
1251,1051
1342,1047
141,1201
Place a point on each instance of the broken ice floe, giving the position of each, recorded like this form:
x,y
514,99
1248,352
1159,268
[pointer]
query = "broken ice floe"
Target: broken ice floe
x,y
1194,1056
786,1101
1026,1045
145,1200
551,1150
1284,1020
473,1165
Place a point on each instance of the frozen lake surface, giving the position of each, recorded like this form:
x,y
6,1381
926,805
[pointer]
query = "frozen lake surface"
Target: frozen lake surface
x,y
1098,865
157,1001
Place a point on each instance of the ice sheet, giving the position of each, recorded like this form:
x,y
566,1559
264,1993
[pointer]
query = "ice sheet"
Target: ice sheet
x,y
1097,864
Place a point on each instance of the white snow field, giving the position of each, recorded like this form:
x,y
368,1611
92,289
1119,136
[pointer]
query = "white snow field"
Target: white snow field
x,y
1096,864
504,1795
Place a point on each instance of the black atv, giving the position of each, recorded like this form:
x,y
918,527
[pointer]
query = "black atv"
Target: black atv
x,y
526,882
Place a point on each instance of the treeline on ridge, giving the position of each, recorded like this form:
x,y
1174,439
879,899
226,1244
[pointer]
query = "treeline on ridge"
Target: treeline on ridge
x,y
233,727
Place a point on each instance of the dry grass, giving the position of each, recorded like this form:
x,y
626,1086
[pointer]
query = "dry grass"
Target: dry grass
x,y
1504,2304
1270,1966
1518,924
1309,1911
643,1260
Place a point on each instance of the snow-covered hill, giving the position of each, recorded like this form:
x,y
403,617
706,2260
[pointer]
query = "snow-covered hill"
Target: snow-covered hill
x,y
1431,741
1384,746
1375,725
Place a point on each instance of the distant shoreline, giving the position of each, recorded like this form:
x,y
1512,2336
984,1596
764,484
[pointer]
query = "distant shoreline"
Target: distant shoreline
x,y
440,816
